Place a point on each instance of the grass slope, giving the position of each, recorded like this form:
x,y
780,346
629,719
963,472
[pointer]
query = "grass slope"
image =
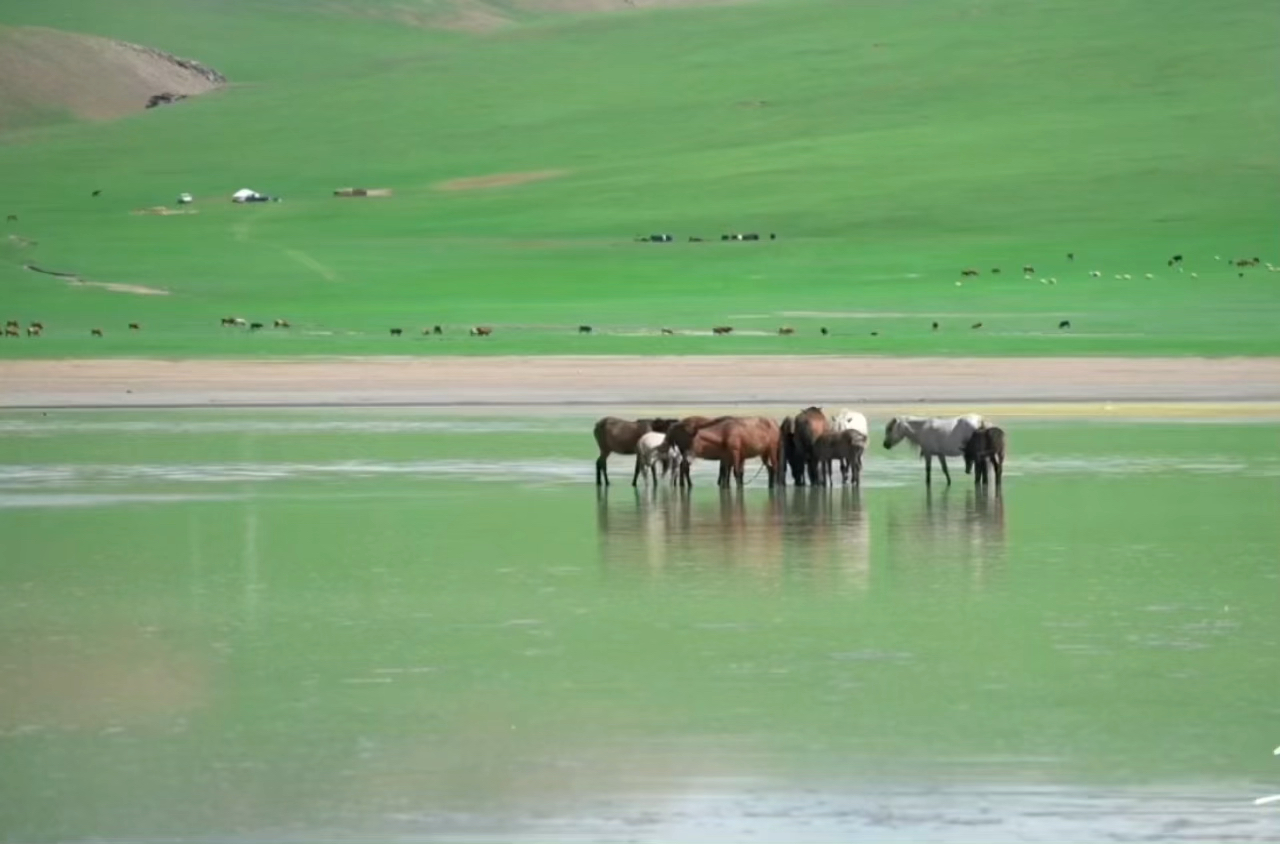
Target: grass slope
x,y
890,145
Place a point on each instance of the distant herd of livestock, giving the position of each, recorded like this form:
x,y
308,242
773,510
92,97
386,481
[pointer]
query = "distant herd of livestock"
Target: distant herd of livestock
x,y
808,444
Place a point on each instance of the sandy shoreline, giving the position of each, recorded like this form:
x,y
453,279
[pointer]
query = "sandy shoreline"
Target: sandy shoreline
x,y
631,381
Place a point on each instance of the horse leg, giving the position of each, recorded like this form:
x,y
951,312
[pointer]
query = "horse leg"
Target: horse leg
x,y
998,460
739,467
602,469
636,474
928,470
943,461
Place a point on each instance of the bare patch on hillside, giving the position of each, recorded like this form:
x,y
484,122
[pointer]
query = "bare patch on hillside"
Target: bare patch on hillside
x,y
114,287
483,16
499,180
44,70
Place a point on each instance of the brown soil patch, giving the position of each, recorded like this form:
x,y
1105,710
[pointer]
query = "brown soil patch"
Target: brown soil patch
x,y
499,180
46,70
904,384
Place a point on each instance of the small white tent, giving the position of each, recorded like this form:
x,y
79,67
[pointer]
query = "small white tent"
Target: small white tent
x,y
244,195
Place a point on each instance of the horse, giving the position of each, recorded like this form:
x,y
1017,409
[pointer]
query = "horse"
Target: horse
x,y
806,426
481,331
849,420
935,437
653,450
847,446
681,436
985,447
620,436
733,441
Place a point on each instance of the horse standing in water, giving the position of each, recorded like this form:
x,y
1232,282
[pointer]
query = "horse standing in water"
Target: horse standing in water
x,y
985,449
620,436
847,447
732,441
935,437
850,420
800,435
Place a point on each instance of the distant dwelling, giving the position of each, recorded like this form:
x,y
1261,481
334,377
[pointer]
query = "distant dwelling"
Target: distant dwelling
x,y
247,195
185,199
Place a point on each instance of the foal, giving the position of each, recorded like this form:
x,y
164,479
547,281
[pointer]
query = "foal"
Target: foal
x,y
986,446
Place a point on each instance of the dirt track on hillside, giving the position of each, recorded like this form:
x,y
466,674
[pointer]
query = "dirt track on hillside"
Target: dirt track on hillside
x,y
632,381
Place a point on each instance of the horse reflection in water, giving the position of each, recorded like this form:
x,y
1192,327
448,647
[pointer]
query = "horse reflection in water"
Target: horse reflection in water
x,y
799,535
944,534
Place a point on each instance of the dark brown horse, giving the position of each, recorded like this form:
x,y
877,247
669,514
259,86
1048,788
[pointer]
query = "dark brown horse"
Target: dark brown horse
x,y
985,448
619,436
845,446
798,441
731,440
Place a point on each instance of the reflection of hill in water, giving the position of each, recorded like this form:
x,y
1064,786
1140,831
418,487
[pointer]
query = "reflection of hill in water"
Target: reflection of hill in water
x,y
805,533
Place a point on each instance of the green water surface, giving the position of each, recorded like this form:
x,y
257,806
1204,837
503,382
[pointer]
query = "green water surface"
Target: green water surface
x,y
306,625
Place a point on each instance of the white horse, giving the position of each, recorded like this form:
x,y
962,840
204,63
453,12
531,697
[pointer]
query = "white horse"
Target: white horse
x,y
653,451
940,437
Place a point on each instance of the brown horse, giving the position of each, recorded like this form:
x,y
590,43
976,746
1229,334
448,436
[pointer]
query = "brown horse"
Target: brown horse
x,y
985,448
619,436
798,443
731,440
845,446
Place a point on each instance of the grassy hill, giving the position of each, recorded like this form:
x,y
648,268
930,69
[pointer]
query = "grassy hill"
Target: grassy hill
x,y
889,145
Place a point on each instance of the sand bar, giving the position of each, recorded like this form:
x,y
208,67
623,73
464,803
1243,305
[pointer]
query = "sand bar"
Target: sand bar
x,y
631,381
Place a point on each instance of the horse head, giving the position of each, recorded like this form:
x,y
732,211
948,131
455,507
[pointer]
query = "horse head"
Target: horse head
x,y
894,432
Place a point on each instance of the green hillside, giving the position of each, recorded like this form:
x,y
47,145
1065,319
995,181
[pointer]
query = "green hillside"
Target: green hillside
x,y
889,145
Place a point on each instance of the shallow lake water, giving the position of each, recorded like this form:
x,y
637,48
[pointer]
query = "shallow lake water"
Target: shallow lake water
x,y
390,625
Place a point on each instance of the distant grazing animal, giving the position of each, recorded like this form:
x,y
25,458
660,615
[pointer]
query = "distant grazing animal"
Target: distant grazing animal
x,y
823,329
255,326
584,329
481,331
875,333
1095,274
786,329
38,326
1247,262
621,436
435,329
13,218
396,332
970,271
1071,256
95,332
667,331
133,326
1239,275
695,239
976,325
722,329
1066,323
11,331
13,323
772,236
239,321
34,330
280,323
1029,270
96,193
940,437
726,237
751,236
935,326
984,450
1177,259
225,321
995,271
654,452
661,238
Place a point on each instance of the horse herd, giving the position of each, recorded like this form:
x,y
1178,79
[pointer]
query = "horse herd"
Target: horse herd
x,y
808,444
